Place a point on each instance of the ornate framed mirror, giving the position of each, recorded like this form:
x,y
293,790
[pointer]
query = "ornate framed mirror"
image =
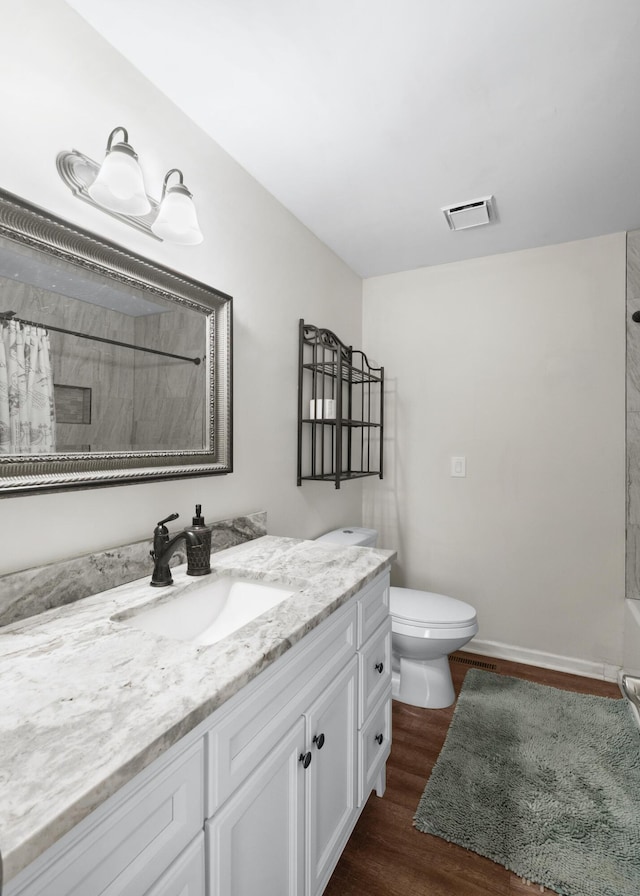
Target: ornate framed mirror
x,y
113,369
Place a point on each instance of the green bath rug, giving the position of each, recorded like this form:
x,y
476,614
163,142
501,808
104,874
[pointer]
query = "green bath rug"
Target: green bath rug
x,y
543,781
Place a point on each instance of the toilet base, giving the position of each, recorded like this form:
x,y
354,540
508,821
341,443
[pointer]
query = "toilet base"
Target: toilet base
x,y
424,683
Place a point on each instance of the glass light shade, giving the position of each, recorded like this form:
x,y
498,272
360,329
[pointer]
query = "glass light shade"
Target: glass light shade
x,y
177,221
119,185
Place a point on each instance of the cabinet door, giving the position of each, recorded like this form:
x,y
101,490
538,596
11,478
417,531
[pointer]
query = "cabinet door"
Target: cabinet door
x,y
331,777
255,843
186,876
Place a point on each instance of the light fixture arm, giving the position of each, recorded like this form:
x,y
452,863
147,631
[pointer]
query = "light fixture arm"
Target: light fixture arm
x,y
179,187
123,145
113,133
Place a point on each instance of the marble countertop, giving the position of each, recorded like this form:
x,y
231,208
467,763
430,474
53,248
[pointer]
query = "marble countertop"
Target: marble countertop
x,y
87,702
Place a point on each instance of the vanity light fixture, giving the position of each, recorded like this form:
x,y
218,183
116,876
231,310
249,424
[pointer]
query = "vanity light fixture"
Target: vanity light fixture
x,y
117,187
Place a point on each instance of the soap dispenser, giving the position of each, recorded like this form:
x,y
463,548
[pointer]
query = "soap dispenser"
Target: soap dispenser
x,y
199,555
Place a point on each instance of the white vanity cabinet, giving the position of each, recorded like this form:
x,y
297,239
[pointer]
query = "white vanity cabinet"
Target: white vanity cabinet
x,y
294,739
263,795
311,742
281,832
125,847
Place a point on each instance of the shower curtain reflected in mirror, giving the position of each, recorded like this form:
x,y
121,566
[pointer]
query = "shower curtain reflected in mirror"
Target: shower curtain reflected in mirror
x,y
27,415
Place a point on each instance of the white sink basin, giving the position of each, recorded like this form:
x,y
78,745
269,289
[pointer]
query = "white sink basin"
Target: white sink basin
x,y
210,612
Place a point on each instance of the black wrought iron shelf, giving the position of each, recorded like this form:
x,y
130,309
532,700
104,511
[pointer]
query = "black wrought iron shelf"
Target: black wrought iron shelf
x,y
348,374
340,410
330,477
331,422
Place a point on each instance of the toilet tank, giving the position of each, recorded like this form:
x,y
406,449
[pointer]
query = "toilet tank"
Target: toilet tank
x,y
352,535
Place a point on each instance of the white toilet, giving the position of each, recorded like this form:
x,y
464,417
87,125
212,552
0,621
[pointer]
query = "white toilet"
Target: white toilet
x,y
425,628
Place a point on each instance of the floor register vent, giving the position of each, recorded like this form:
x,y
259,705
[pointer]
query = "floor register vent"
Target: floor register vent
x,y
471,214
477,664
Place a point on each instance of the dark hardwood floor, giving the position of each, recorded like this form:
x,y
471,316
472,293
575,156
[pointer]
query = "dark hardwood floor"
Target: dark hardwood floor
x,y
386,855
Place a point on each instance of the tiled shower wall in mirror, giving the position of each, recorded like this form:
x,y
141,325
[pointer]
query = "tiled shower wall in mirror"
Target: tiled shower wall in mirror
x,y
633,417
109,398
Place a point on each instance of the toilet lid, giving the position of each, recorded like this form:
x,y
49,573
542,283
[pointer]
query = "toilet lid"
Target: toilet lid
x,y
351,535
420,607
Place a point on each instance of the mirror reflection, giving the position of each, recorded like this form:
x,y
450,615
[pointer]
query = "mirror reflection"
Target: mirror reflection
x,y
88,367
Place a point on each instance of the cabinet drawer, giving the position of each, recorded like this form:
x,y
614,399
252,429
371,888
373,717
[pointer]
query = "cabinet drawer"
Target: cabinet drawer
x,y
374,746
186,876
130,841
373,607
375,669
242,737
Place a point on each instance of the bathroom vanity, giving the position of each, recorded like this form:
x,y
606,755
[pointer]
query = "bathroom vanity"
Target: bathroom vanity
x,y
146,764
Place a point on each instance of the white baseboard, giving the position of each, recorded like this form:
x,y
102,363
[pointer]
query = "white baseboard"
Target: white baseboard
x,y
603,671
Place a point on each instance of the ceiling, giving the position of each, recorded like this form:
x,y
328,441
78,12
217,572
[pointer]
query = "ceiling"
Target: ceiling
x,y
365,117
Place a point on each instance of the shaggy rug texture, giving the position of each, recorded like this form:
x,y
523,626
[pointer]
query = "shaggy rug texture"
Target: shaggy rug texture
x,y
543,781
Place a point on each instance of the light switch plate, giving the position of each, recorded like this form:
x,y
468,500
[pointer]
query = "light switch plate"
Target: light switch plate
x,y
458,466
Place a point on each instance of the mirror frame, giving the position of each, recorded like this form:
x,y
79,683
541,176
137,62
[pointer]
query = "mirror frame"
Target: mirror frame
x,y
33,227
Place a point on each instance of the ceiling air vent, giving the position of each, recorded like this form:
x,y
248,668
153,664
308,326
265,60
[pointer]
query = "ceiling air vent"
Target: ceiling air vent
x,y
470,214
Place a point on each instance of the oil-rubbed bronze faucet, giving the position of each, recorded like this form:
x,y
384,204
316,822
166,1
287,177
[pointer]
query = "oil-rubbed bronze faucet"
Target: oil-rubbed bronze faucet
x,y
163,549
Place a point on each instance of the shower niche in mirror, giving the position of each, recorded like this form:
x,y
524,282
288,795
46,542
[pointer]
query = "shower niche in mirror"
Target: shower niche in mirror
x,y
113,369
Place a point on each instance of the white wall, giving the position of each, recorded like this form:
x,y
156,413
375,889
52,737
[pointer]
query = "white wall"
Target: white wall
x,y
516,361
63,87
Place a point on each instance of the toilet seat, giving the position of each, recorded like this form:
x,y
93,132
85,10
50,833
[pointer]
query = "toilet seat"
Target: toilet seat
x,y
441,632
417,610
